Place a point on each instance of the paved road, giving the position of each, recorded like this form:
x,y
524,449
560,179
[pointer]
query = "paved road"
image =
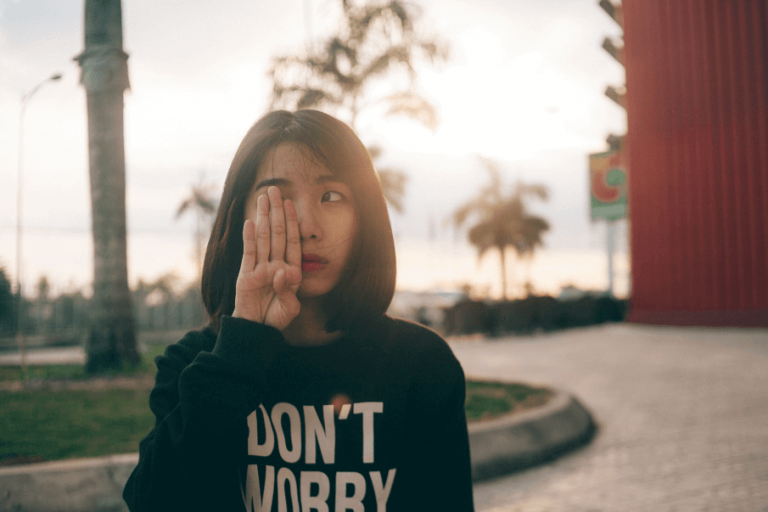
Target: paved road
x,y
683,417
41,356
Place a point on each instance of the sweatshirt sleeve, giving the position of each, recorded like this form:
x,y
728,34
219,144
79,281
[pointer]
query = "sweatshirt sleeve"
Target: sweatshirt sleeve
x,y
203,392
441,434
452,469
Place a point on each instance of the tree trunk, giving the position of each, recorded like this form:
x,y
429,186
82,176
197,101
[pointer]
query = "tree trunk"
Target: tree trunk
x,y
112,338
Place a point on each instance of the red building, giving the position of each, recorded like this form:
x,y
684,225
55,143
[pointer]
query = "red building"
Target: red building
x,y
697,110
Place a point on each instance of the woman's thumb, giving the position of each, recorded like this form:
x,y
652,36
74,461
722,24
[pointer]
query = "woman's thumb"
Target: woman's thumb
x,y
278,282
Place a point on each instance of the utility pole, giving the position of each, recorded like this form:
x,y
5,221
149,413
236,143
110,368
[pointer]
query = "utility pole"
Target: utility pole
x,y
19,223
112,338
610,236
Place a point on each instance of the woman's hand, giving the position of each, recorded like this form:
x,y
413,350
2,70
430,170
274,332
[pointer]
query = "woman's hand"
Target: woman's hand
x,y
270,273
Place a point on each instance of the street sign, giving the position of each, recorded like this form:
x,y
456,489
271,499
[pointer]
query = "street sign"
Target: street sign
x,y
608,185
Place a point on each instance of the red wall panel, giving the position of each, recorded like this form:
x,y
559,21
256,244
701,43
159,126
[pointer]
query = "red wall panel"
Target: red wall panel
x,y
697,109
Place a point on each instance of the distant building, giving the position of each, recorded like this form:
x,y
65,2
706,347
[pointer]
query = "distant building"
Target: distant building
x,y
697,110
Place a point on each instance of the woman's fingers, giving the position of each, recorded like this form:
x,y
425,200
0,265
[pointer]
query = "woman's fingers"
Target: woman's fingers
x,y
263,234
278,281
249,247
277,224
293,238
271,266
284,289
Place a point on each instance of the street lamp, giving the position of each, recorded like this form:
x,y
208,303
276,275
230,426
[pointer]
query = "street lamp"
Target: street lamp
x,y
20,327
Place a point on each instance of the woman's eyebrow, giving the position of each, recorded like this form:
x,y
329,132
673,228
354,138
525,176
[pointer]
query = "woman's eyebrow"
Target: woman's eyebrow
x,y
277,182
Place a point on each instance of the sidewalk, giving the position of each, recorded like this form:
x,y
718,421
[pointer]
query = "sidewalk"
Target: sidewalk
x,y
66,355
682,412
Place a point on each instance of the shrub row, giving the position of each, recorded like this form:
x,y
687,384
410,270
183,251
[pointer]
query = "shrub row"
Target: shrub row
x,y
531,314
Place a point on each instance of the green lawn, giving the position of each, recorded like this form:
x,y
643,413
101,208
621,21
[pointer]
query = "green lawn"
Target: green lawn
x,y
45,424
487,399
52,425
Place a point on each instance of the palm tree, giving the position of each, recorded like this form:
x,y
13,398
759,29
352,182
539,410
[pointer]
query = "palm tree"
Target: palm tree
x,y
502,219
202,202
376,44
112,337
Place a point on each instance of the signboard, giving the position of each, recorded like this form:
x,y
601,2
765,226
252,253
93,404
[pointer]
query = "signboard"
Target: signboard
x,y
608,181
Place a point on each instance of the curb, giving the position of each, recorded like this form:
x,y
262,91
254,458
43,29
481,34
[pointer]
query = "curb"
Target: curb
x,y
519,441
498,447
84,485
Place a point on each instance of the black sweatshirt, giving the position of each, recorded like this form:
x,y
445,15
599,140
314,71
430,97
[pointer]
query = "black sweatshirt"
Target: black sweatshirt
x,y
373,421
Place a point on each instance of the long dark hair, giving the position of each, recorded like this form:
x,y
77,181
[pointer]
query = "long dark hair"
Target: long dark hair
x,y
367,284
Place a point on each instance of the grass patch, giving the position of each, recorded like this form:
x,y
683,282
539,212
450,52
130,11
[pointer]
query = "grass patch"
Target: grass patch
x,y
53,425
43,424
51,371
488,399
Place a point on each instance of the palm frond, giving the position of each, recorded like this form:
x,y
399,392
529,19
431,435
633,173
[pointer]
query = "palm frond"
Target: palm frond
x,y
414,106
478,206
393,183
183,207
531,190
200,198
482,236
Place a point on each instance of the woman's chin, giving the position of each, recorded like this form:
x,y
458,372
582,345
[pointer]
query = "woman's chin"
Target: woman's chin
x,y
311,291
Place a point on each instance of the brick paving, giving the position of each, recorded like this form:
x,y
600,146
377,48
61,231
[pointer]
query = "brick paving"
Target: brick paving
x,y
683,415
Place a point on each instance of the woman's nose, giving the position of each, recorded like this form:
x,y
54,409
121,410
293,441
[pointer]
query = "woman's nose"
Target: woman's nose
x,y
309,225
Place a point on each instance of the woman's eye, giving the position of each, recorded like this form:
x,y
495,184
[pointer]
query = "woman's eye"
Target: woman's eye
x,y
331,196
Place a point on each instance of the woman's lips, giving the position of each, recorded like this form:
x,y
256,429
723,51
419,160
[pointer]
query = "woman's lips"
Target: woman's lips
x,y
312,263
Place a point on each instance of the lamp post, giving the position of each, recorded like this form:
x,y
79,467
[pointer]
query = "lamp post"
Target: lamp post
x,y
20,311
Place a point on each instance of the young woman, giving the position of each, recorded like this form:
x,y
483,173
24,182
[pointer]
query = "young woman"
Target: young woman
x,y
302,394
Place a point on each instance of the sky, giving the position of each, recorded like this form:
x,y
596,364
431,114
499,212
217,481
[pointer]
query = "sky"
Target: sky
x,y
523,86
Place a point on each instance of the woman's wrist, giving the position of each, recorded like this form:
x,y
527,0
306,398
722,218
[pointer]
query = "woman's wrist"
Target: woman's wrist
x,y
238,314
263,321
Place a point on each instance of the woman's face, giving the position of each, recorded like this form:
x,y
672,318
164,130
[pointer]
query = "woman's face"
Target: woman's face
x,y
325,210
